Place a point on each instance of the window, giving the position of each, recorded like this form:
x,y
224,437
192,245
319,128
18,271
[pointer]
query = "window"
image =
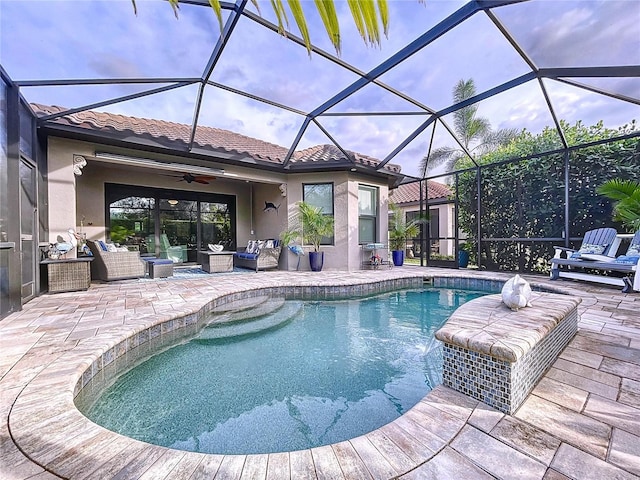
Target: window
x,y
367,214
320,195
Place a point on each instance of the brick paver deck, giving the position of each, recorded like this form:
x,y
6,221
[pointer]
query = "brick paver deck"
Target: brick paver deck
x,y
582,420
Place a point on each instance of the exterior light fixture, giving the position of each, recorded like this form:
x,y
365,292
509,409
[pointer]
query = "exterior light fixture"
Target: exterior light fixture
x,y
172,202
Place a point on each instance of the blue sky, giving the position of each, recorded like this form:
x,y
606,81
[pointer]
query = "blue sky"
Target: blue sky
x,y
76,39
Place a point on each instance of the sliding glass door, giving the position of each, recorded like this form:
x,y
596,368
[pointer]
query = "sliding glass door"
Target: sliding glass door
x,y
169,224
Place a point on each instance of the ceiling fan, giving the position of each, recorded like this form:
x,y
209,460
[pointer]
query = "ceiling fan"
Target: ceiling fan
x,y
190,178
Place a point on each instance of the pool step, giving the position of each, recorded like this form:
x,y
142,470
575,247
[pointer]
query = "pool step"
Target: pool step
x,y
264,308
277,318
243,304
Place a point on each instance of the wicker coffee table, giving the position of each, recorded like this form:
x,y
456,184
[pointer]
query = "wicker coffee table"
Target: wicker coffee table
x,y
215,262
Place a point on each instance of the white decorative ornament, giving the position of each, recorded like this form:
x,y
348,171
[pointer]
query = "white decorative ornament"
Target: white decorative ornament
x,y
516,293
79,162
215,248
283,189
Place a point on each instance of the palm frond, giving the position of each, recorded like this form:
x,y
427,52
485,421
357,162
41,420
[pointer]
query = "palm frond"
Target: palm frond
x,y
383,10
626,195
441,156
281,15
371,23
327,11
215,4
494,139
368,16
618,189
298,15
174,6
358,19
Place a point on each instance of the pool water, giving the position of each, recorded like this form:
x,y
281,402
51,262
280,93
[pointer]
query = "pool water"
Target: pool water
x,y
315,373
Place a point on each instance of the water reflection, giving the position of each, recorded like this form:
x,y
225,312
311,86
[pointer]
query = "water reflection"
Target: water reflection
x,y
336,371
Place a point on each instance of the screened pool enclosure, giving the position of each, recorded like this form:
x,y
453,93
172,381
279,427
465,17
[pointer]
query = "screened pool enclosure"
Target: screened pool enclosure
x,y
560,80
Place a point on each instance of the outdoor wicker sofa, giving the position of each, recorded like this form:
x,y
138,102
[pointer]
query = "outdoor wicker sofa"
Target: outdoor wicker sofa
x,y
258,255
109,266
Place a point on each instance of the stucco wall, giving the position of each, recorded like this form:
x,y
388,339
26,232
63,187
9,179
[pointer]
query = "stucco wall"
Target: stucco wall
x,y
345,253
79,201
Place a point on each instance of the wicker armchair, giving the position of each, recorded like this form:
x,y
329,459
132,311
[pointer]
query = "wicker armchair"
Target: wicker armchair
x,y
110,266
263,259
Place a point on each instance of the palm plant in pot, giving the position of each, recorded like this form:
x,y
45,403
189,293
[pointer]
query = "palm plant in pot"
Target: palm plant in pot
x,y
312,225
399,231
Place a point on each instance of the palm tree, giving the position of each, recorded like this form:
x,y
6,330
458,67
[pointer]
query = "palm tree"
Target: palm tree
x,y
367,15
475,133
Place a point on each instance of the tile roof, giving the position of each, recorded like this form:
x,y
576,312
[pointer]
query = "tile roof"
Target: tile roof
x,y
410,192
206,137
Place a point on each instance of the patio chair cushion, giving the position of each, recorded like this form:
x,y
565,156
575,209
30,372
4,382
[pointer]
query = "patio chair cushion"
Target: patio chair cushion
x,y
592,249
628,259
247,256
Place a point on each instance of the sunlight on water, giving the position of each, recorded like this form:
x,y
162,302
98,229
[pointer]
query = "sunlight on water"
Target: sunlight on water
x,y
333,371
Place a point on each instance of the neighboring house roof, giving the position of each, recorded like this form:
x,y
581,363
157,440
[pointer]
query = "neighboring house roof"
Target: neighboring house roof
x,y
209,138
409,193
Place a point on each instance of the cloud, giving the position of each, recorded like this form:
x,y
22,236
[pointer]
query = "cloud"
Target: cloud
x,y
68,39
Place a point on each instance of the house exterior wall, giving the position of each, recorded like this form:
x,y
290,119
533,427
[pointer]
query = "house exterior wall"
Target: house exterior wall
x,y
345,253
78,201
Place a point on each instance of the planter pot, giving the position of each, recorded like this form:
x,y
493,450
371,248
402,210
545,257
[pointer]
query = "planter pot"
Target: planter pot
x,y
398,257
316,260
463,259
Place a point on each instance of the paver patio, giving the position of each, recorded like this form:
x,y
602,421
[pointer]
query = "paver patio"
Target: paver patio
x,y
582,420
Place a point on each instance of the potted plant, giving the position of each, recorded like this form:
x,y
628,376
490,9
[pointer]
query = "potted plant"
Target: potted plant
x,y
399,231
463,254
312,225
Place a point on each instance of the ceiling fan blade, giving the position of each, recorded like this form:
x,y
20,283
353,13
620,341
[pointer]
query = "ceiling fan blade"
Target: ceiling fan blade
x,y
200,180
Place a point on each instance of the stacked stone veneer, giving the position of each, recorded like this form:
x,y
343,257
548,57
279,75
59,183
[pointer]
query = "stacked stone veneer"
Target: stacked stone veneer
x,y
496,355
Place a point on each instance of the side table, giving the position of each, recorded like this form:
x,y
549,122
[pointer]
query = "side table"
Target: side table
x,y
68,275
215,262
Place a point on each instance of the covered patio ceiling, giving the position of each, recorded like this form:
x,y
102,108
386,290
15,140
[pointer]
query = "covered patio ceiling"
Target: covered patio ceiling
x,y
535,63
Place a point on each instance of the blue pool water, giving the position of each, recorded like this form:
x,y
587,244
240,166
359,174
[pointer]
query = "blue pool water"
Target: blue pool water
x,y
317,373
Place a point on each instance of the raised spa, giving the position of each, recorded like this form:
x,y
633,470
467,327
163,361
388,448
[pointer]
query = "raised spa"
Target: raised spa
x,y
281,375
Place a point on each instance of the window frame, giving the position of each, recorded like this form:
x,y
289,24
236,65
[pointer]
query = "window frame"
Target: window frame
x,y
330,240
374,218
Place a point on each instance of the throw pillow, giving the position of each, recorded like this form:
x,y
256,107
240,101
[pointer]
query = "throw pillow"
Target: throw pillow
x,y
259,246
102,245
268,244
589,248
251,246
111,247
634,250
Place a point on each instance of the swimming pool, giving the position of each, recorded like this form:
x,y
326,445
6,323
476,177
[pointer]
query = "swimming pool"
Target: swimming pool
x,y
305,374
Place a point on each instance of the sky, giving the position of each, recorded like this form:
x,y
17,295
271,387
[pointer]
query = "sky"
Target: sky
x,y
94,39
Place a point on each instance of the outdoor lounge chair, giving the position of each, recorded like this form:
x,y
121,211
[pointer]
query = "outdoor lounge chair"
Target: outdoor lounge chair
x,y
108,266
579,262
177,253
